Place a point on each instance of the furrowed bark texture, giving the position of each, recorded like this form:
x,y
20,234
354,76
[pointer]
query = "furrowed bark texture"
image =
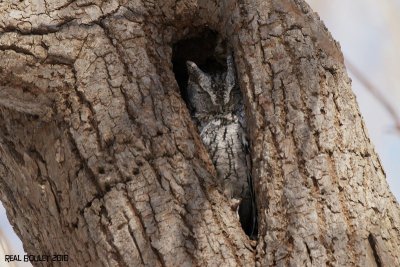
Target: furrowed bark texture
x,y
100,160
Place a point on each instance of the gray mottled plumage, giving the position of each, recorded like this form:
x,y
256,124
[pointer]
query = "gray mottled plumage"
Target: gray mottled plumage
x,y
217,106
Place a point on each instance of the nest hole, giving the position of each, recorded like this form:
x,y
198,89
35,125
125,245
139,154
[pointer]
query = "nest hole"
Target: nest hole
x,y
209,51
202,49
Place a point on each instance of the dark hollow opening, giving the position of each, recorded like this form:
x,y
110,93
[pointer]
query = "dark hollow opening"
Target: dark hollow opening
x,y
202,49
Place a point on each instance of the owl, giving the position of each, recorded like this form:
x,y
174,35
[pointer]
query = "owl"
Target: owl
x,y
216,104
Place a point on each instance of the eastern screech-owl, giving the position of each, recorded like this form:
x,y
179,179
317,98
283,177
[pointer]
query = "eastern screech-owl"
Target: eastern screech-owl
x,y
217,107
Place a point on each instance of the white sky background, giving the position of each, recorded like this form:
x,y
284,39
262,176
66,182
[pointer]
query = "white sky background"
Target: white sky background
x,y
369,35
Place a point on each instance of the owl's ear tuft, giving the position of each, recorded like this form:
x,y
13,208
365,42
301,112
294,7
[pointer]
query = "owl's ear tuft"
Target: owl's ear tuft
x,y
191,65
192,68
230,79
194,71
202,79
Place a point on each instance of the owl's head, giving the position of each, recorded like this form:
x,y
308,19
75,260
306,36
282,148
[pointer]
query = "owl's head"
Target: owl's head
x,y
208,92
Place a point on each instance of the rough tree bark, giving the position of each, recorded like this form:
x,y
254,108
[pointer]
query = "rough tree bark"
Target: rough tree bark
x,y
100,160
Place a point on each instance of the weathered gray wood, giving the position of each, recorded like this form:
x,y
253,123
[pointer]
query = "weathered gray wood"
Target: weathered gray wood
x,y
105,164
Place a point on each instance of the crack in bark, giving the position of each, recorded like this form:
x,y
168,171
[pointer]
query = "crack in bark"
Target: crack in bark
x,y
139,215
374,246
131,232
86,167
309,252
115,253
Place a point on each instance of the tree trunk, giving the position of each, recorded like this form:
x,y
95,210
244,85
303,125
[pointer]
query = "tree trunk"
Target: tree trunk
x,y
100,160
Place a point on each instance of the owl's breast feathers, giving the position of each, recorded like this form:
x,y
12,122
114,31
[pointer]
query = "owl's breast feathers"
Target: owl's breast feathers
x,y
223,136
